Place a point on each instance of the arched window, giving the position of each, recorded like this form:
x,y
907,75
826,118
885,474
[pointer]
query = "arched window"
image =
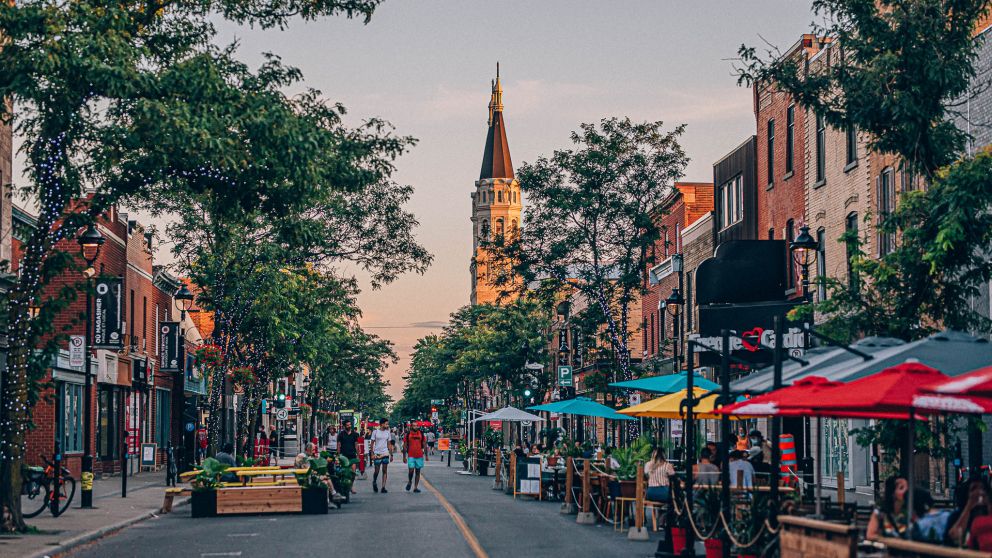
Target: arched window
x,y
499,226
790,235
499,196
484,232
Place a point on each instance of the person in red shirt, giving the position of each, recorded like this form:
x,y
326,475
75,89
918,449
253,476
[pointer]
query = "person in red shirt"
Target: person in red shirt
x,y
413,455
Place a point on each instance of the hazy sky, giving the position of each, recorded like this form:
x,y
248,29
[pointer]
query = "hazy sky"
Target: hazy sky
x,y
425,65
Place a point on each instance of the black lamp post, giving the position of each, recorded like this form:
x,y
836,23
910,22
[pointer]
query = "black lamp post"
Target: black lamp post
x,y
90,243
183,299
673,305
804,248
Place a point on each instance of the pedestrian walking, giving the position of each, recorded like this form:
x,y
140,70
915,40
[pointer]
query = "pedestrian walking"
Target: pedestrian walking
x,y
347,446
201,443
274,444
332,439
381,444
430,442
413,455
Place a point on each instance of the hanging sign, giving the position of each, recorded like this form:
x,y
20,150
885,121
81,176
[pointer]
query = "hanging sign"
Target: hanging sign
x,y
565,378
77,351
107,313
169,347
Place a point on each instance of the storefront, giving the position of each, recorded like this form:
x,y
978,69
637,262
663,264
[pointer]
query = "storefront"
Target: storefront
x,y
69,385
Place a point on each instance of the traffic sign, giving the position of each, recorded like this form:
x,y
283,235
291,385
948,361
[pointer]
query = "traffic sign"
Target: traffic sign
x,y
565,376
77,351
437,401
282,414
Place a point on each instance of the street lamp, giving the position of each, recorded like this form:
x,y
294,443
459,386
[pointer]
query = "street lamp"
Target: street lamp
x,y
90,243
184,301
673,305
804,248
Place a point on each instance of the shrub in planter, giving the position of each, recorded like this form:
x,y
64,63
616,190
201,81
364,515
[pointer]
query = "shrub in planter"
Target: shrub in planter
x,y
205,485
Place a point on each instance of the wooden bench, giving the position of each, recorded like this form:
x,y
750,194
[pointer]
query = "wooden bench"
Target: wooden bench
x,y
809,538
912,549
259,499
170,494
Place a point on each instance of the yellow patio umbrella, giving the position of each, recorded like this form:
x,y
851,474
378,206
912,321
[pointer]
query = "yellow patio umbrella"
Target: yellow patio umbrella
x,y
668,406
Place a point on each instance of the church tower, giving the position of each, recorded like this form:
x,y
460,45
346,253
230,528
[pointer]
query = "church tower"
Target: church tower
x,y
496,202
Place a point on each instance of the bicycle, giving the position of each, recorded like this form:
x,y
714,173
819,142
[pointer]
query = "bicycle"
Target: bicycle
x,y
36,490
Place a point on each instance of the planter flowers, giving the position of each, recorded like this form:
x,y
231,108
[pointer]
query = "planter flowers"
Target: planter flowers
x,y
208,356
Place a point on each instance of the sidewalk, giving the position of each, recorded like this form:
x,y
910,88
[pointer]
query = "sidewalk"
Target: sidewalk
x,y
77,526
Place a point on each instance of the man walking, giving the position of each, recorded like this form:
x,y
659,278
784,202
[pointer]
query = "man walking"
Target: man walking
x,y
413,455
430,442
274,446
381,444
347,440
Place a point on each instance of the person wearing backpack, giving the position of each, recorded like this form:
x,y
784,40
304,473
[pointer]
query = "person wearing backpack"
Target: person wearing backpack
x,y
413,455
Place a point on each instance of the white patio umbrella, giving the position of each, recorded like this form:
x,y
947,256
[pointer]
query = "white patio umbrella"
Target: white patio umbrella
x,y
509,414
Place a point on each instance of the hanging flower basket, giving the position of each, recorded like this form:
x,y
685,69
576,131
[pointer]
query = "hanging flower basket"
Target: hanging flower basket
x,y
208,356
242,375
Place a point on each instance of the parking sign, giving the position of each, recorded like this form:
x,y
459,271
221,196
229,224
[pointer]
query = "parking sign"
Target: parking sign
x,y
565,376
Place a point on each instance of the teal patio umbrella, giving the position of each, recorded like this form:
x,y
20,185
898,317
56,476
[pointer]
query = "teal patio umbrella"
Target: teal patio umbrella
x,y
581,406
670,383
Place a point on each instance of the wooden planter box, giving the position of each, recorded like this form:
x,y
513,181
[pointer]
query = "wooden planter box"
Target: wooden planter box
x,y
203,503
314,500
260,499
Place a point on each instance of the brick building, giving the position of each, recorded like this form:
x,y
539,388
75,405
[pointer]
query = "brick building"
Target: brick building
x,y
780,157
133,402
688,203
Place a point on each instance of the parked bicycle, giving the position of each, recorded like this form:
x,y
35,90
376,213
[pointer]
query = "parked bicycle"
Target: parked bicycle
x,y
36,490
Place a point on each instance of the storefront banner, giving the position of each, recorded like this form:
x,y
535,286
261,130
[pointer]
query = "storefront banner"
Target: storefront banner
x,y
752,329
107,313
169,347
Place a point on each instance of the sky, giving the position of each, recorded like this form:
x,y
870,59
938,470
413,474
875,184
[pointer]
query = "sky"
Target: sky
x,y
426,66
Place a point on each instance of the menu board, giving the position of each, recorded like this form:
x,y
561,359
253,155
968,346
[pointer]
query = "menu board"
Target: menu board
x,y
527,479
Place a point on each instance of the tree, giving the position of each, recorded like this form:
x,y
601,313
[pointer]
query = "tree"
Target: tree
x,y
80,73
898,73
589,222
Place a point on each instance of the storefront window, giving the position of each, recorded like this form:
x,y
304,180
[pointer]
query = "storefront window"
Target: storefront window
x,y
107,424
163,416
835,448
70,413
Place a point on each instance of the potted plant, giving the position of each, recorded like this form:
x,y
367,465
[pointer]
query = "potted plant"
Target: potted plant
x,y
751,526
343,477
314,486
638,452
203,501
706,514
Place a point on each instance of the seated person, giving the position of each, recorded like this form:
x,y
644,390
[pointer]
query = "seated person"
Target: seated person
x,y
930,525
226,457
705,471
738,462
972,499
659,472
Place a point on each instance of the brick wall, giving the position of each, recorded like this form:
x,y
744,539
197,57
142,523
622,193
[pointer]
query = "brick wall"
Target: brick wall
x,y
697,245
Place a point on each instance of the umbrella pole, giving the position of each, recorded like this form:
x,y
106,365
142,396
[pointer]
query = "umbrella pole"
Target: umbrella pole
x,y
910,481
776,427
819,467
725,438
690,452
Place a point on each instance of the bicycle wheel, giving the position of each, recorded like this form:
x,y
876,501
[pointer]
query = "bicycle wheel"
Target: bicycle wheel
x,y
34,498
68,488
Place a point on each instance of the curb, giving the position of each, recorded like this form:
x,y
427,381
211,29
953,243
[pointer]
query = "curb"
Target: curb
x,y
90,536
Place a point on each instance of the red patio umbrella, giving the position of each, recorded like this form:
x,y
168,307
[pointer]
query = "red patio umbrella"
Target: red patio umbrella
x,y
977,383
890,391
782,402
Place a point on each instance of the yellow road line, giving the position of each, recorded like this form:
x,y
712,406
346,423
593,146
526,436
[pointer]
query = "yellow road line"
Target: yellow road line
x,y
467,533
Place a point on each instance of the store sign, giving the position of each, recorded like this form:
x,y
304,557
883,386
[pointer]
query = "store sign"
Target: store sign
x,y
77,351
752,328
496,424
565,378
169,347
107,313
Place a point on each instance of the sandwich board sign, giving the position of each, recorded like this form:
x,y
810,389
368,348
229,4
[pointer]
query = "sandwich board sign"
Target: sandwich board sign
x,y
527,476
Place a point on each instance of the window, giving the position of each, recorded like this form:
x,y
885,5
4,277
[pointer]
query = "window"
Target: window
x,y
163,417
644,335
790,138
499,196
886,204
790,235
107,429
484,231
652,334
731,202
821,264
771,234
771,152
908,181
852,146
69,407
499,227
821,152
851,233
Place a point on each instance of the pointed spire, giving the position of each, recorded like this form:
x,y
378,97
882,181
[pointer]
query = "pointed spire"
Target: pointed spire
x,y
496,159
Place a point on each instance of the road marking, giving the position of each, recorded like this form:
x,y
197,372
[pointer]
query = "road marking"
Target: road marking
x,y
242,534
467,534
205,554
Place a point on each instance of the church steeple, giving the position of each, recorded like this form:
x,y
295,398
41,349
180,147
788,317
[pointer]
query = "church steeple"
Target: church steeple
x,y
496,161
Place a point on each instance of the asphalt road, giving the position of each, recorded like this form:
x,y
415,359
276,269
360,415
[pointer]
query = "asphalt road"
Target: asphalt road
x,y
398,524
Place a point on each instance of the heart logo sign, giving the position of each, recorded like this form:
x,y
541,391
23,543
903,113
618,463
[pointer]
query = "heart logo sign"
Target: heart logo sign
x,y
752,339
